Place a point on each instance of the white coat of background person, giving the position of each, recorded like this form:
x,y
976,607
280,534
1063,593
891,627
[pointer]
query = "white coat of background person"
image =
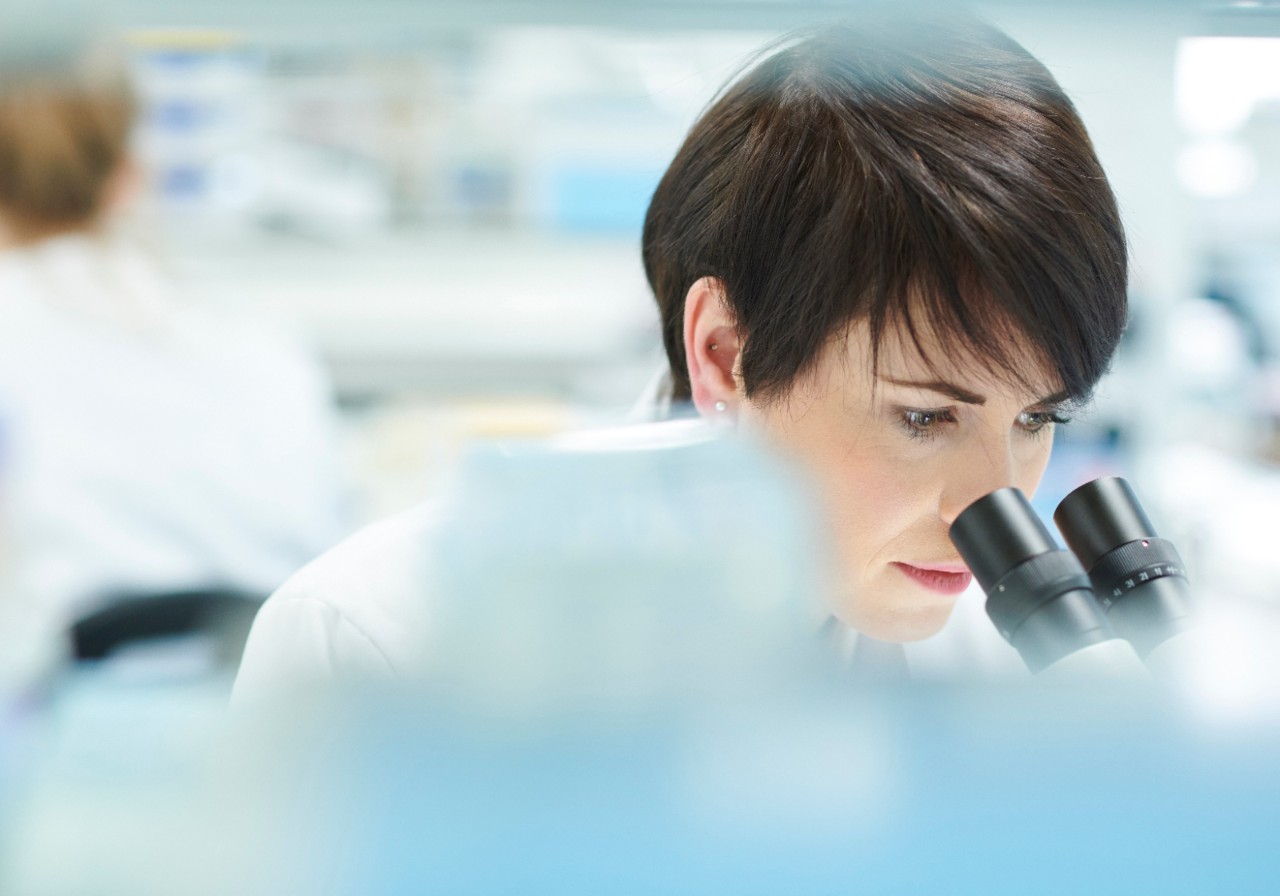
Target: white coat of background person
x,y
150,445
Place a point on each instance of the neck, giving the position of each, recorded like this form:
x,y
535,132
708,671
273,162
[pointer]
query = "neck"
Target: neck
x,y
14,236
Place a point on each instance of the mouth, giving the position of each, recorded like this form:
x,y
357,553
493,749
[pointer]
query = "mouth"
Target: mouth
x,y
948,580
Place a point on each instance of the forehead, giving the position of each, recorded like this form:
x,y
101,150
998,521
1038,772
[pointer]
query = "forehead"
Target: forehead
x,y
927,354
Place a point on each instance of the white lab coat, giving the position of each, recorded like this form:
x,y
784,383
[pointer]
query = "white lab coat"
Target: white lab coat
x,y
148,445
362,613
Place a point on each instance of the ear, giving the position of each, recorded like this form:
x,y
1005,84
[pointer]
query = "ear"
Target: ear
x,y
712,350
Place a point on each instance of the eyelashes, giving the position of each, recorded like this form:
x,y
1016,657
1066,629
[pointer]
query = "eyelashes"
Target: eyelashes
x,y
1035,422
926,424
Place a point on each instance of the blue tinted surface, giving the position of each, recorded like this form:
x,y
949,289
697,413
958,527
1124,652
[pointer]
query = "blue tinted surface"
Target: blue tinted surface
x,y
983,800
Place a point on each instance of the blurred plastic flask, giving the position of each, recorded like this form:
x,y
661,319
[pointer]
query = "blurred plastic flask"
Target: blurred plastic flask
x,y
629,563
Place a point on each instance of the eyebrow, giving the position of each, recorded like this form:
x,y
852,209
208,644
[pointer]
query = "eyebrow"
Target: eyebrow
x,y
964,396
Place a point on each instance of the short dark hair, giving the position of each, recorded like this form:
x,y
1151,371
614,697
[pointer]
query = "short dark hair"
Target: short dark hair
x,y
897,170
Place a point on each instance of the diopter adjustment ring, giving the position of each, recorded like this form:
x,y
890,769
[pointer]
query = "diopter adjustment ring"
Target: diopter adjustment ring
x,y
1133,564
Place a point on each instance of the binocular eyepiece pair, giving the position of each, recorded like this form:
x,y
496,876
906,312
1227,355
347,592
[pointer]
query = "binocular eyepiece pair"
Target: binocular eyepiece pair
x,y
1119,580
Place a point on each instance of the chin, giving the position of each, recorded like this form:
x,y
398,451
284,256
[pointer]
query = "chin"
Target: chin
x,y
898,620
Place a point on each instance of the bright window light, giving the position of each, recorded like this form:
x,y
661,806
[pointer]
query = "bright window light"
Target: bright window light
x,y
1216,169
1221,79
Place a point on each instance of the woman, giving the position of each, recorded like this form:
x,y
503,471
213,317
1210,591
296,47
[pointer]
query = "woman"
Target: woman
x,y
150,446
890,248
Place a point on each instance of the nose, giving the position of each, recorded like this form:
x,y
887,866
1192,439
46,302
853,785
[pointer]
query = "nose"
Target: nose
x,y
975,474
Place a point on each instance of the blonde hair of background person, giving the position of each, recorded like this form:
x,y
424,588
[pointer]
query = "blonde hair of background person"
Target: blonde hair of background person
x,y
64,136
154,444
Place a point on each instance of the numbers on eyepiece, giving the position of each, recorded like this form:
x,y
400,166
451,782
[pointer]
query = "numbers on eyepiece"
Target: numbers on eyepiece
x,y
1140,577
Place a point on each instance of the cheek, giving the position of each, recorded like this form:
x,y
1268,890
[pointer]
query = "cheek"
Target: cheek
x,y
1031,469
869,491
873,500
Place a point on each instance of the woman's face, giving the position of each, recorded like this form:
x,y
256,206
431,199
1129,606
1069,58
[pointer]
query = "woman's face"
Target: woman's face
x,y
896,457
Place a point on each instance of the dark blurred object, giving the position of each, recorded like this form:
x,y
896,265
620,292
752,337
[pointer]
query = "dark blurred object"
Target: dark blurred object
x,y
224,617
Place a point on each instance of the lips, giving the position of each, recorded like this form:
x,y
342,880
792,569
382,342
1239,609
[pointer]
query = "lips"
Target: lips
x,y
942,579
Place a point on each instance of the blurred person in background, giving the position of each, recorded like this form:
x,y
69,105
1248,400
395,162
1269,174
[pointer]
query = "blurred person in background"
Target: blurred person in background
x,y
888,248
150,446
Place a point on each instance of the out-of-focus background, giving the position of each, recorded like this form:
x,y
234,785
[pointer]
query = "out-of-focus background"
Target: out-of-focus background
x,y
442,200
358,236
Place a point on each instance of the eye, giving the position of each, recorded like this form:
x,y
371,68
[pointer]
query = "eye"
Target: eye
x,y
925,424
1034,422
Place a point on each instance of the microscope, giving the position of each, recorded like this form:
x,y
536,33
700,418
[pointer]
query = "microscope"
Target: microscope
x,y
1118,599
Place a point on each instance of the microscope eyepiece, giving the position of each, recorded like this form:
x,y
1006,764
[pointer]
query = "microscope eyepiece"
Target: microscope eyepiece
x,y
1038,595
997,533
1139,578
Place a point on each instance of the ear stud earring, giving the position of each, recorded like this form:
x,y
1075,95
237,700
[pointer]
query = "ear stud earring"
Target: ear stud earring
x,y
721,406
714,346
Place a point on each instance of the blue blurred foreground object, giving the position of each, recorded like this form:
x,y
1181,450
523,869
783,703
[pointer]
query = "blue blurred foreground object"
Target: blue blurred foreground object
x,y
620,563
912,790
807,788
626,694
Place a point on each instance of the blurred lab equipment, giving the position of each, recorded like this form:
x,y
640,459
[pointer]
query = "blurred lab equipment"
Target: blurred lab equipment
x,y
640,557
730,785
630,554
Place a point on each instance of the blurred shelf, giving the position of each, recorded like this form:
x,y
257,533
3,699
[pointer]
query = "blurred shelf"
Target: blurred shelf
x,y
452,313
354,20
